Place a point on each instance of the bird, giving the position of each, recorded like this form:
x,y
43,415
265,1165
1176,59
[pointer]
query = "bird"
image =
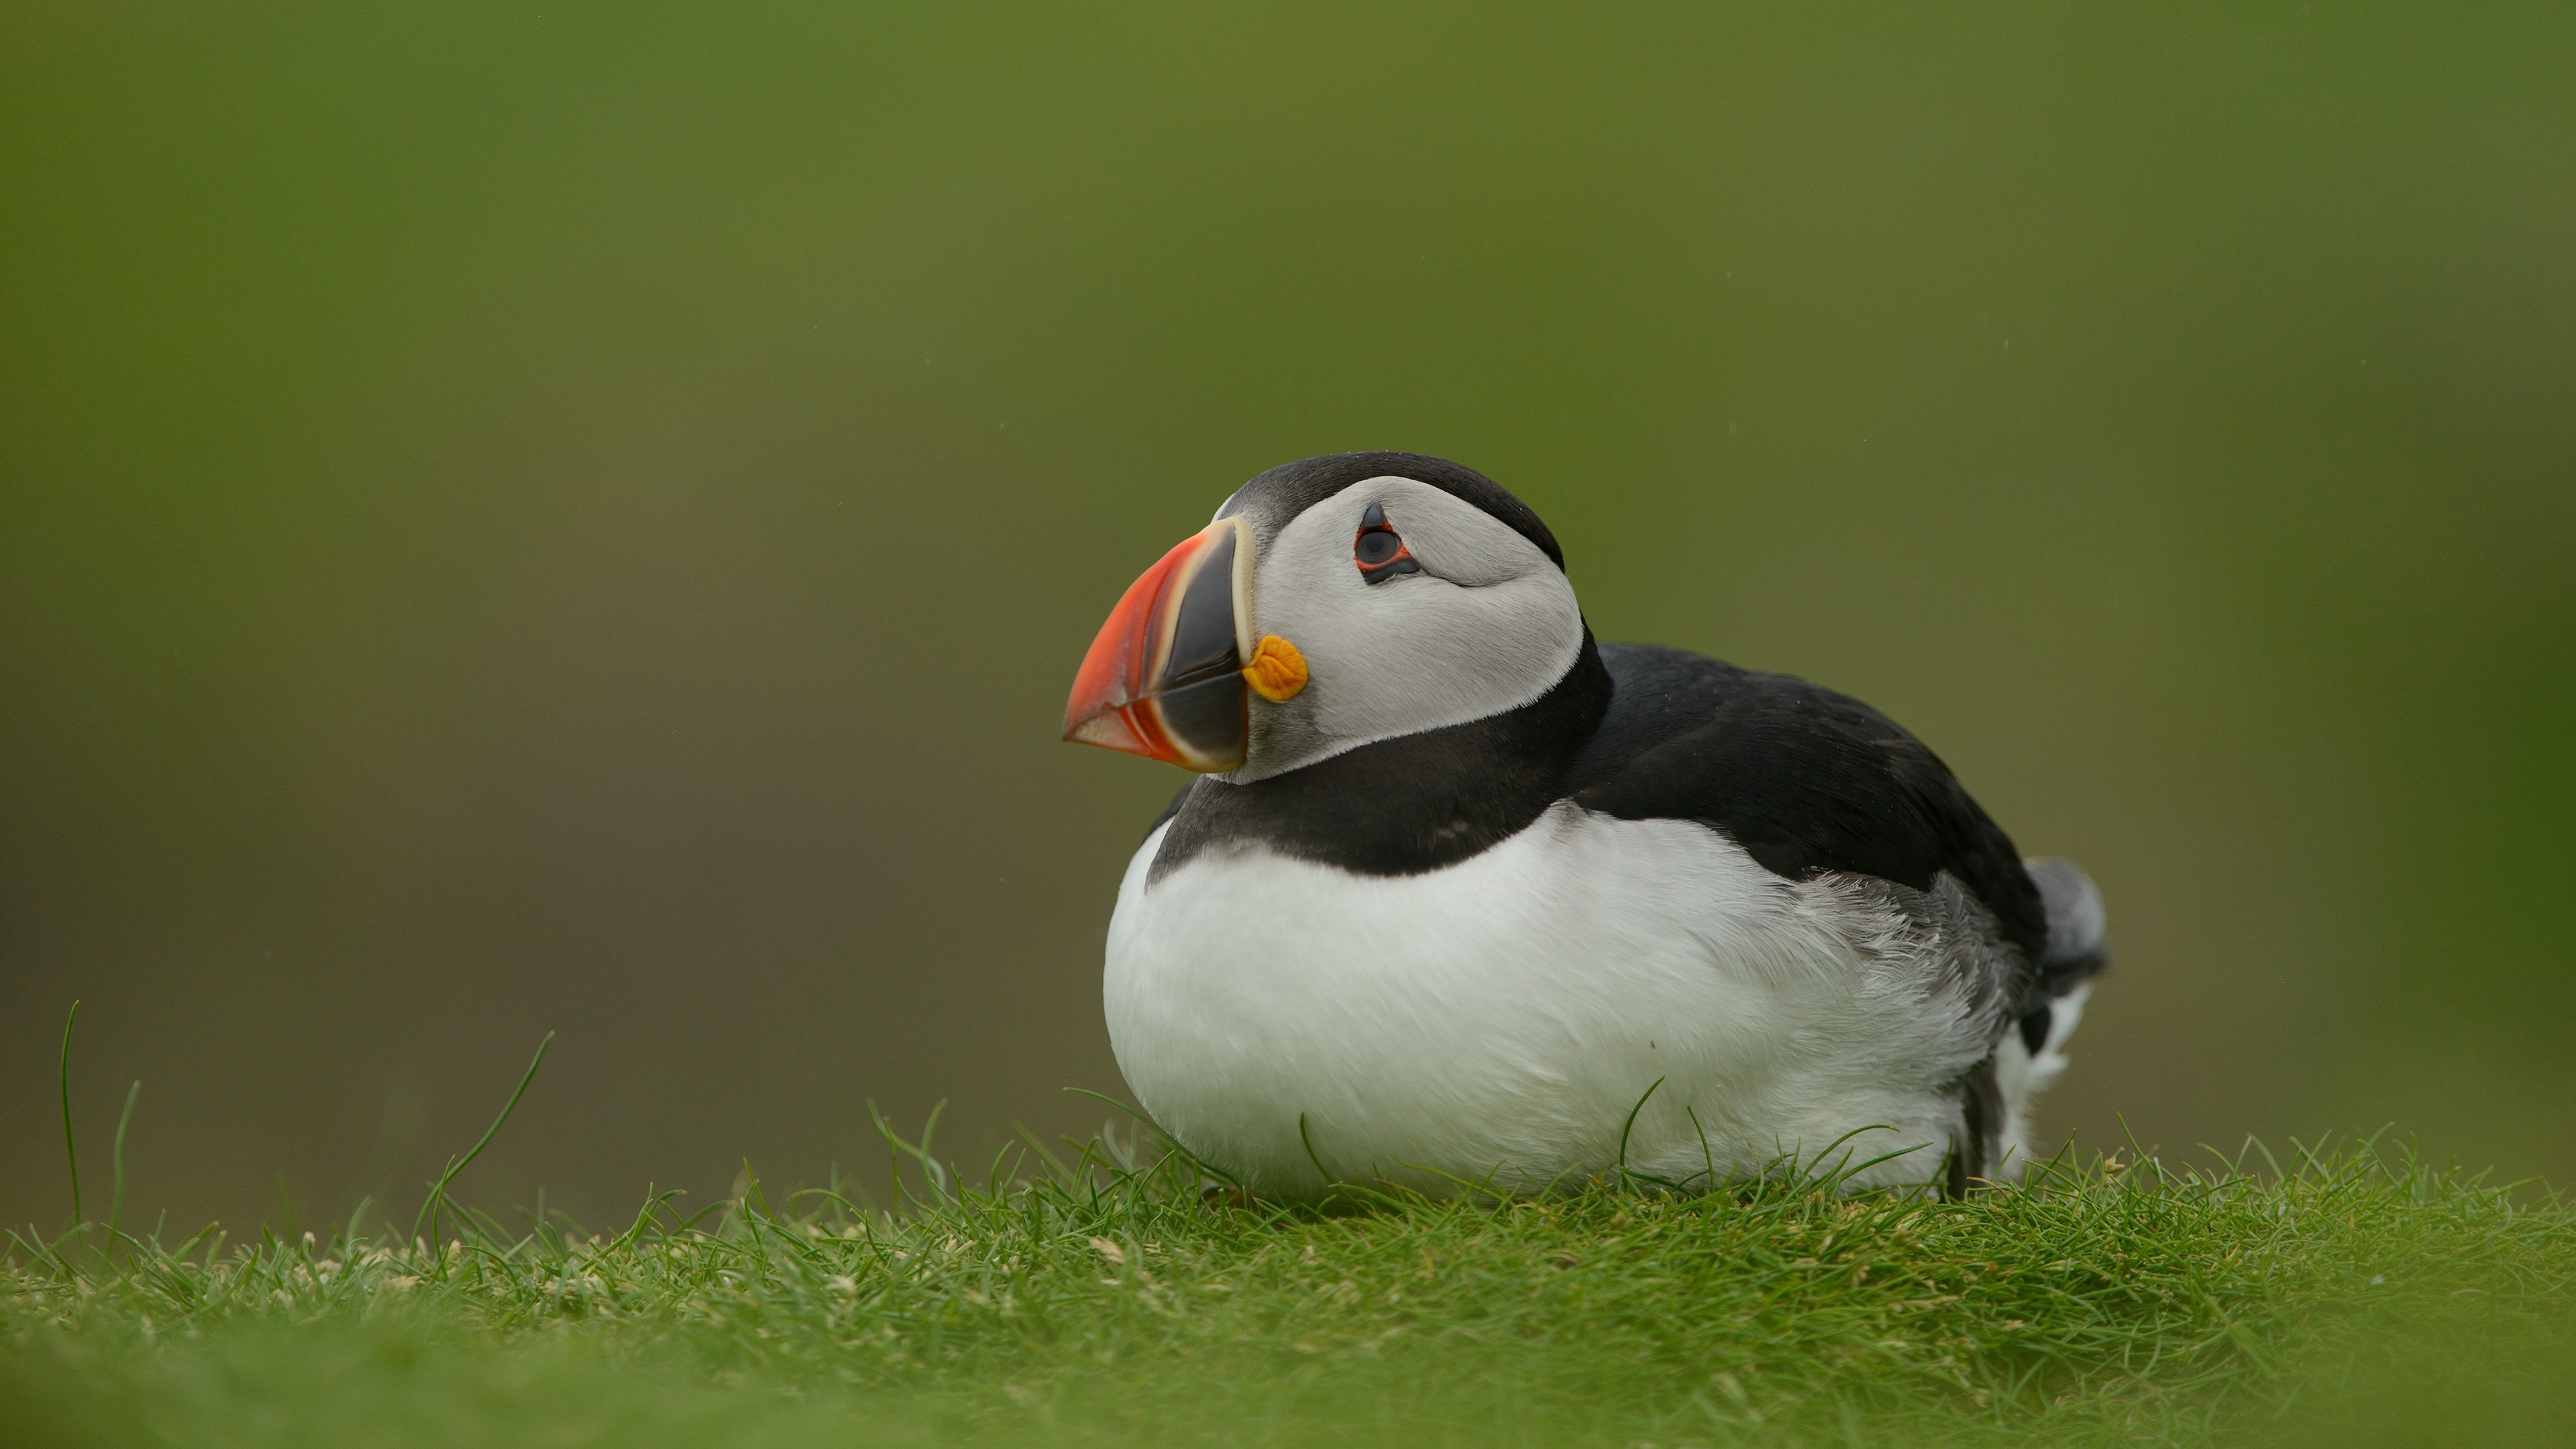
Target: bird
x,y
1460,899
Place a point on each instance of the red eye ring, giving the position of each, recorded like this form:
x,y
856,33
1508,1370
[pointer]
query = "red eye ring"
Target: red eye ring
x,y
1374,527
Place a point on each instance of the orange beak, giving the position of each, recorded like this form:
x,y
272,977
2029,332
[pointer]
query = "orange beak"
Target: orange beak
x,y
1164,679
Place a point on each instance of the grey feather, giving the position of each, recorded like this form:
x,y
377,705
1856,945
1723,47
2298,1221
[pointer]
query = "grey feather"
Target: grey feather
x,y
2075,921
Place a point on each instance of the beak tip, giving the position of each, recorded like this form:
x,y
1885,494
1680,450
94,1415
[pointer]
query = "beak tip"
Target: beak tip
x,y
1110,729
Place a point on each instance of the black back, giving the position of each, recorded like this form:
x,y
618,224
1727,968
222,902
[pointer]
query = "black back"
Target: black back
x,y
1804,779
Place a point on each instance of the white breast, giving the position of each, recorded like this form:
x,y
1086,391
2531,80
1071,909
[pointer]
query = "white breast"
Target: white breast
x,y
1502,1017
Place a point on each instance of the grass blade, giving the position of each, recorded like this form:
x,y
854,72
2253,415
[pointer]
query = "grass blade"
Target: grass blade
x,y
116,1203
439,1192
71,1152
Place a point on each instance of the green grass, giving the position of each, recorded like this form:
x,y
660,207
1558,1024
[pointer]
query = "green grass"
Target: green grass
x,y
1107,1294
1093,1297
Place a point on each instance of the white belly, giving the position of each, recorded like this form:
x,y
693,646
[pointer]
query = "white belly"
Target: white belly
x,y
1501,1018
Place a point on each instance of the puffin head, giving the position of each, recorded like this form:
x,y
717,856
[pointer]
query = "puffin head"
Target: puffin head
x,y
1332,603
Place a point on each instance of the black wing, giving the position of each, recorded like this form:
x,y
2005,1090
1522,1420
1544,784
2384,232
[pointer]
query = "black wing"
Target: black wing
x,y
1806,780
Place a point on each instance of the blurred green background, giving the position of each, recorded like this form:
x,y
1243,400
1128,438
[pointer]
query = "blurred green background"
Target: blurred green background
x,y
581,517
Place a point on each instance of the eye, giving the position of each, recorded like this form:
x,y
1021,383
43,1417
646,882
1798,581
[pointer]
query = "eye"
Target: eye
x,y
1379,550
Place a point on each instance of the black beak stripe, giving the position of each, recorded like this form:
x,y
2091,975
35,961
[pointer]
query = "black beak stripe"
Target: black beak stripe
x,y
1200,690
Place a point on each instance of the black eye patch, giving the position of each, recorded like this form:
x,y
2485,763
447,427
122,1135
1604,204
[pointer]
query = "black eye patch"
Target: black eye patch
x,y
1379,550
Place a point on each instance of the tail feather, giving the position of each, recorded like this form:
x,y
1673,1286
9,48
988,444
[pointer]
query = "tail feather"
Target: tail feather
x,y
2075,953
2060,981
2075,916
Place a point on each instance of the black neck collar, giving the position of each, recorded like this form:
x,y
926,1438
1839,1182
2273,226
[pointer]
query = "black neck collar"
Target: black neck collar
x,y
1410,804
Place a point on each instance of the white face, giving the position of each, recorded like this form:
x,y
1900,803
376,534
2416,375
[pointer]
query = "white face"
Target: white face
x,y
1488,624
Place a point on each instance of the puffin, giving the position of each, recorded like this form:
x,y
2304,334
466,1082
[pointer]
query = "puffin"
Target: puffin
x,y
1460,899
